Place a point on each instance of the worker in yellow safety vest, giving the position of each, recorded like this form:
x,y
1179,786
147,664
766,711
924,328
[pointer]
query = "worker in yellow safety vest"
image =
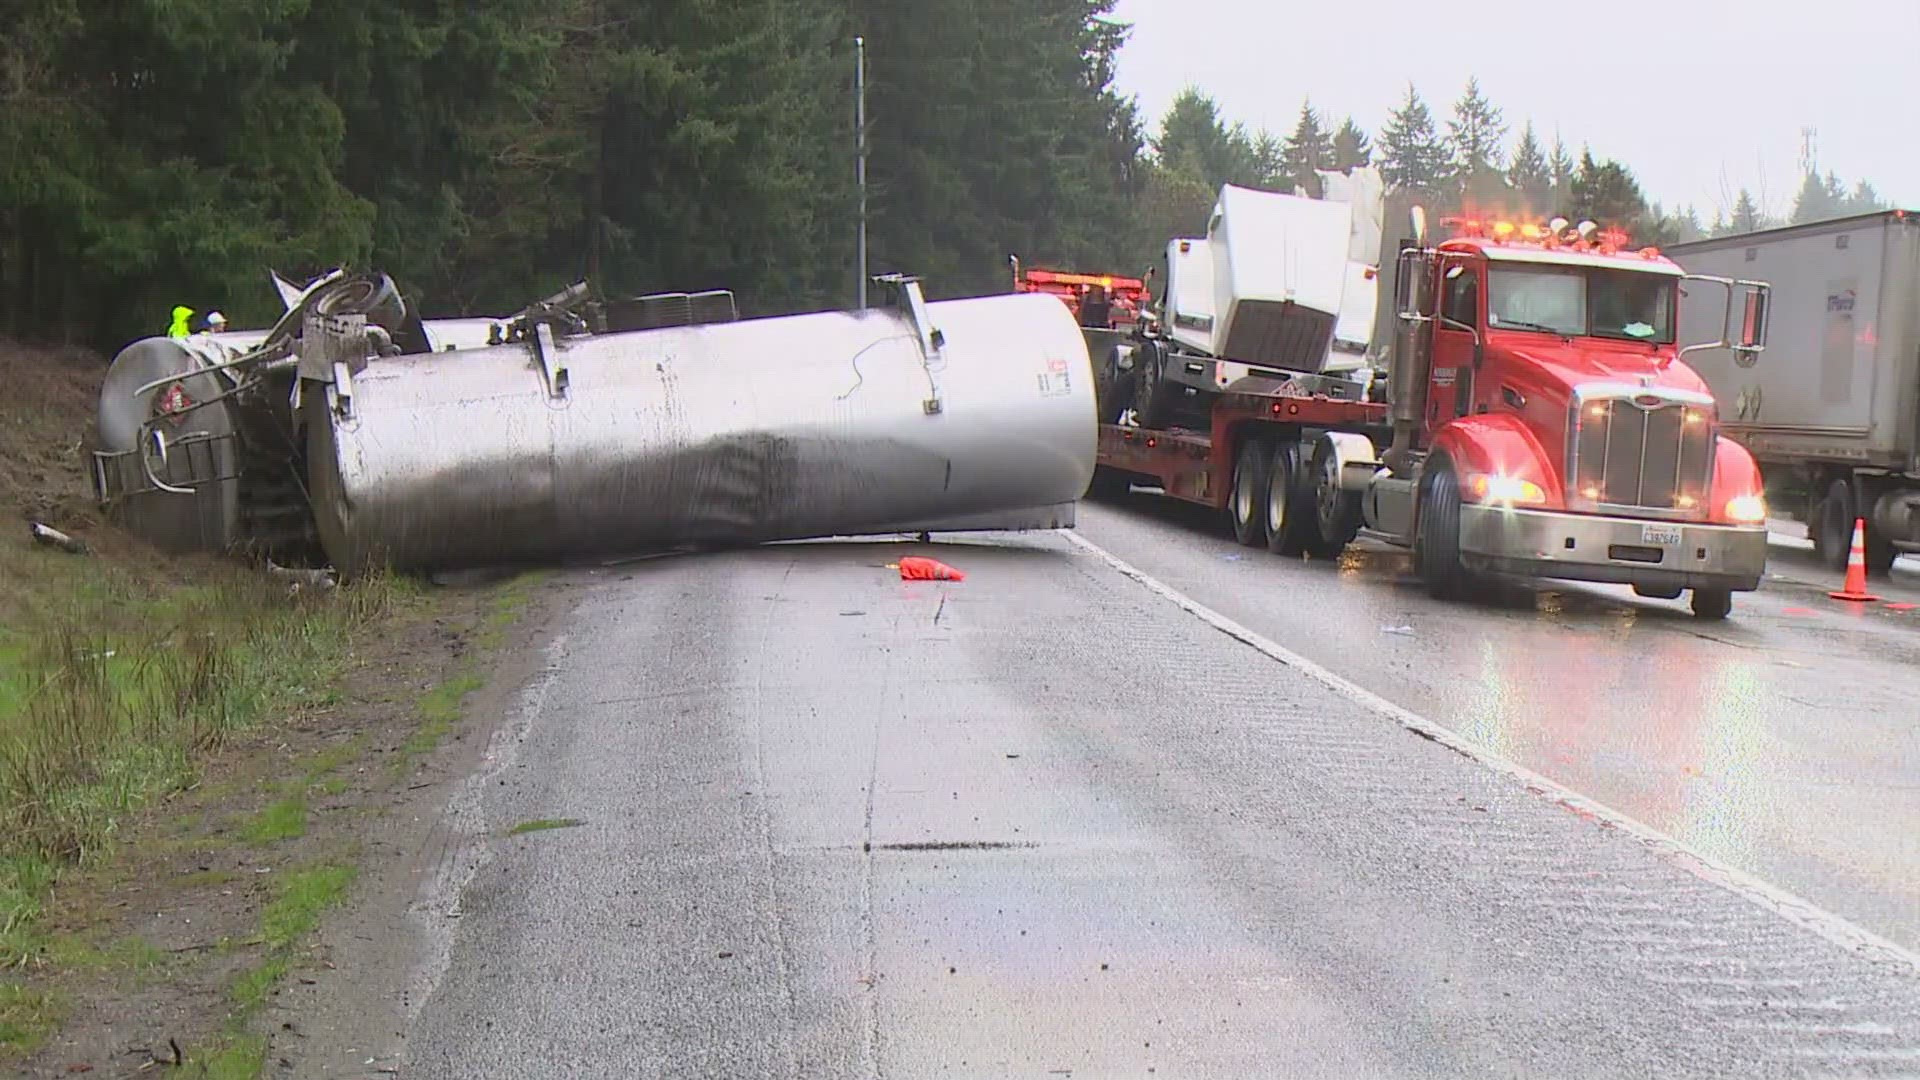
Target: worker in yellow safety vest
x,y
180,329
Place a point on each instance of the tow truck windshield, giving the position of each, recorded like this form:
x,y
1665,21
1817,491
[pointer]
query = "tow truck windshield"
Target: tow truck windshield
x,y
1582,302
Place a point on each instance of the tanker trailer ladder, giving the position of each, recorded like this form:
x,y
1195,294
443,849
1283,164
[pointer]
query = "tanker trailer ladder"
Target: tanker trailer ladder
x,y
906,295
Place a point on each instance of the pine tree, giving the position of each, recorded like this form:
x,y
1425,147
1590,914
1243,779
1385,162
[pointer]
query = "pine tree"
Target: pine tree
x,y
1607,194
1351,147
1413,157
1529,173
1269,161
1307,150
1864,200
1746,214
1560,172
1815,200
1475,133
1193,137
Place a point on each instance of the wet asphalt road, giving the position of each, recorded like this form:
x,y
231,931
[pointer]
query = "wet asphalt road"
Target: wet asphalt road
x,y
1046,823
1784,741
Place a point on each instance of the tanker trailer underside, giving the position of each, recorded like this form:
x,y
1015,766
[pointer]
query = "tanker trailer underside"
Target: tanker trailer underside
x,y
560,440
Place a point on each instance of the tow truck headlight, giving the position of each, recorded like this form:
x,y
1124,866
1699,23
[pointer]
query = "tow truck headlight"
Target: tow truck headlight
x,y
1497,488
1747,509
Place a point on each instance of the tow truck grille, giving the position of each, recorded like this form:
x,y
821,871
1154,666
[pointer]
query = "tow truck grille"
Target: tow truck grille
x,y
1645,450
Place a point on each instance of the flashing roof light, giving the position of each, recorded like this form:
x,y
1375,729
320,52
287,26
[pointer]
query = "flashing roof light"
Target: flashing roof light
x,y
1503,230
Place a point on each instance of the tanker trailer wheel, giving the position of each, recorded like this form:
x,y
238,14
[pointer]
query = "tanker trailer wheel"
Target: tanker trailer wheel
x,y
1711,603
1248,501
1437,537
1336,512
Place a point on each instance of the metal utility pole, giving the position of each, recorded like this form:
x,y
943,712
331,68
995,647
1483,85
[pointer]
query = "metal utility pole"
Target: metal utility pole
x,y
860,159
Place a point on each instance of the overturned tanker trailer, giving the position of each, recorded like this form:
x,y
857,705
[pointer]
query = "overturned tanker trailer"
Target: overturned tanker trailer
x,y
579,428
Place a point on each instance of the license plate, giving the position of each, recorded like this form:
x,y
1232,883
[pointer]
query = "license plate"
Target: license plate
x,y
1665,535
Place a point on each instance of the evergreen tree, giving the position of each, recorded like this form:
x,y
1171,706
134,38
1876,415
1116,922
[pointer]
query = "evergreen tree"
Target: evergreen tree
x,y
1815,201
1529,173
1413,157
1308,149
1560,172
1746,214
995,131
1269,161
1351,147
1865,200
1475,134
1607,194
1194,138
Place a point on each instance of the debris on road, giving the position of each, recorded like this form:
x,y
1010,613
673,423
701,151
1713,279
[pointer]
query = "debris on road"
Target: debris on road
x,y
53,537
321,579
920,568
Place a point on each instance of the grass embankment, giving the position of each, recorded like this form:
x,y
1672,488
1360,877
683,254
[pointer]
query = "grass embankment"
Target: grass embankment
x,y
113,686
185,737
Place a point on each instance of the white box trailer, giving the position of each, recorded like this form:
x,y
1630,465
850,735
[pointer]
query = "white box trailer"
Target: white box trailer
x,y
1832,408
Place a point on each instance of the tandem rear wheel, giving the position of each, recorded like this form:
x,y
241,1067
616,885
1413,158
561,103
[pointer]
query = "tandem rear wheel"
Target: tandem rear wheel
x,y
1831,529
1281,504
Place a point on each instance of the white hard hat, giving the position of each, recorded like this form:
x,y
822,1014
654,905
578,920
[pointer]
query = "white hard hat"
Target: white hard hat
x,y
214,318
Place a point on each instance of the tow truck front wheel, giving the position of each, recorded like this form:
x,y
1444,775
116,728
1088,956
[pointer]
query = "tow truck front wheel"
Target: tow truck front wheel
x,y
1711,603
1437,537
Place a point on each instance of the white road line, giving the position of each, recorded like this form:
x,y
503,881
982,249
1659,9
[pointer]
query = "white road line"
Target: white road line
x,y
1834,928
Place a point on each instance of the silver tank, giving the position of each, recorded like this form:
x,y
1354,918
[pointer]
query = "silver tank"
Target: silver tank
x,y
977,414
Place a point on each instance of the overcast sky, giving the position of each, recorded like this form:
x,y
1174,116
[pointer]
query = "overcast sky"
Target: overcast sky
x,y
1697,97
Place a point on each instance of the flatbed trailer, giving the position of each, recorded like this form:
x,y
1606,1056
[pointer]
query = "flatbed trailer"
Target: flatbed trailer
x,y
1272,422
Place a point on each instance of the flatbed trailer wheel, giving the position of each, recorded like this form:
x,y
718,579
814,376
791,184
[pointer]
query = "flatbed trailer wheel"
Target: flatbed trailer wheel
x,y
1336,512
1286,532
1711,603
1247,502
1108,484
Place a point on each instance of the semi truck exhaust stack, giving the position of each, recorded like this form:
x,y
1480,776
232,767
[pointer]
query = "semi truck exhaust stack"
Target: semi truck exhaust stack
x,y
1407,380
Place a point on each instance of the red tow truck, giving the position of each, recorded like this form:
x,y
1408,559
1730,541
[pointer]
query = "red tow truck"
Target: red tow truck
x,y
1098,301
1540,420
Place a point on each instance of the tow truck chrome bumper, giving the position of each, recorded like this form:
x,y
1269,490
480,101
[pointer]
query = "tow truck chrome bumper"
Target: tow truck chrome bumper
x,y
1582,547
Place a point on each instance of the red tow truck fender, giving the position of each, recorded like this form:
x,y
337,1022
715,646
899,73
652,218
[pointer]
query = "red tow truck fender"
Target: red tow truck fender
x,y
1498,444
1735,473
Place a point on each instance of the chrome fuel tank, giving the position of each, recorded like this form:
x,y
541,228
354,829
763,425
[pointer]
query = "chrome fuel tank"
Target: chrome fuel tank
x,y
975,413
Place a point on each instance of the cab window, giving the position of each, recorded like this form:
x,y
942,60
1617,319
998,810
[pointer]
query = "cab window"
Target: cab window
x,y
1460,302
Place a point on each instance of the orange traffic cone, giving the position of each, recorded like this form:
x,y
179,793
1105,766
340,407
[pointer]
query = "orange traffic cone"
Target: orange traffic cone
x,y
917,568
1856,586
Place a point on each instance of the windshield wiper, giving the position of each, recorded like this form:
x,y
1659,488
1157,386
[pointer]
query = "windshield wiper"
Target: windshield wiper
x,y
1506,324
